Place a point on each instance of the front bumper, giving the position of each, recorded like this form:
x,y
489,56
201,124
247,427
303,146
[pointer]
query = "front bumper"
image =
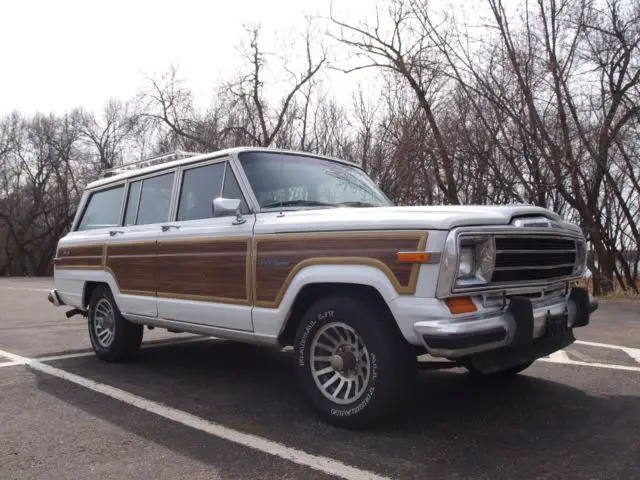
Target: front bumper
x,y
517,326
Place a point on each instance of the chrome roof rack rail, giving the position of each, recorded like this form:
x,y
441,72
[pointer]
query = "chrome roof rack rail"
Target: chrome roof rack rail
x,y
147,162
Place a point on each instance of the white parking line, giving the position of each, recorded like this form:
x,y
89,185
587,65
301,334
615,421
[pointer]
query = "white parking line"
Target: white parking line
x,y
322,464
632,352
28,289
558,359
65,356
10,364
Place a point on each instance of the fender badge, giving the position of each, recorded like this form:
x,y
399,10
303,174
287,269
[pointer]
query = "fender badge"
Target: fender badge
x,y
274,262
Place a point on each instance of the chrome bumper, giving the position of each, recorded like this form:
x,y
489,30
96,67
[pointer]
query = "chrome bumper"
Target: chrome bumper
x,y
518,325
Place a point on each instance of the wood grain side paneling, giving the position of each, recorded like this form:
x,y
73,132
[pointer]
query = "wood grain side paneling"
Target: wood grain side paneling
x,y
79,257
220,269
214,269
133,265
279,257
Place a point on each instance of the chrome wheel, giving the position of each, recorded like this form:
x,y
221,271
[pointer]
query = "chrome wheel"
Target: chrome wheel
x,y
104,323
340,363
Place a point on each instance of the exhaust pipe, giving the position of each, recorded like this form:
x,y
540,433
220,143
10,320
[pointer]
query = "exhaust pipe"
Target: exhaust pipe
x,y
54,299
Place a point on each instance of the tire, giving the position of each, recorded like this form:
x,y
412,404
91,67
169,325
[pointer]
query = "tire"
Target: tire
x,y
506,373
364,399
123,343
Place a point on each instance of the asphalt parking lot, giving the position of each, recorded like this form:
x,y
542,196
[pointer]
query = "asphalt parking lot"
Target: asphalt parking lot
x,y
195,407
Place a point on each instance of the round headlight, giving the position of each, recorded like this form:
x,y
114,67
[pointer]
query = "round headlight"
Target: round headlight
x,y
467,265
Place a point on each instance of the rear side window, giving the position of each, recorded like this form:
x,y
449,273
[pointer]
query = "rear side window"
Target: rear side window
x,y
155,199
103,209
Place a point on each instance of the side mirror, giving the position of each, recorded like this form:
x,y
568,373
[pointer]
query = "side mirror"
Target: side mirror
x,y
225,207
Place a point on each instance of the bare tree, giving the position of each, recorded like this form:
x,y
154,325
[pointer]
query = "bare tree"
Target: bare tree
x,y
410,54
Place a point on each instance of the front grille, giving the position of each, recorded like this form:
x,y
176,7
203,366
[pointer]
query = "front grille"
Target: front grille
x,y
529,258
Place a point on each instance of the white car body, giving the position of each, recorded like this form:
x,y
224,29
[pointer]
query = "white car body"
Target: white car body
x,y
234,245
422,311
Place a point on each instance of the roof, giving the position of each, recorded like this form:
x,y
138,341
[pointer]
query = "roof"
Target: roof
x,y
201,157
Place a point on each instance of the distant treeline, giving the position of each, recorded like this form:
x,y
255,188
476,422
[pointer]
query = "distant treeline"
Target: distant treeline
x,y
540,105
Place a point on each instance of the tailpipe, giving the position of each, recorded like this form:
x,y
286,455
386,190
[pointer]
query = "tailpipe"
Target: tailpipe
x,y
54,298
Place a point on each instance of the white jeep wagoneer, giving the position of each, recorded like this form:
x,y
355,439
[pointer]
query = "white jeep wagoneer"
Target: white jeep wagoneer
x,y
285,248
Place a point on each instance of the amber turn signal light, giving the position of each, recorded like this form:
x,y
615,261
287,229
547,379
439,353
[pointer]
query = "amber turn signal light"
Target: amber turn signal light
x,y
413,257
458,305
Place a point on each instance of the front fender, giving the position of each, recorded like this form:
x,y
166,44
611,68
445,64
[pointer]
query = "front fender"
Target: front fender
x,y
269,322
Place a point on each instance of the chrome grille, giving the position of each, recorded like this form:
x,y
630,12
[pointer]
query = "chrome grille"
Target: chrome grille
x,y
533,258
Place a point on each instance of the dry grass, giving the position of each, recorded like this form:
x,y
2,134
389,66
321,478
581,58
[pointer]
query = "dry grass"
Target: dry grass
x,y
618,293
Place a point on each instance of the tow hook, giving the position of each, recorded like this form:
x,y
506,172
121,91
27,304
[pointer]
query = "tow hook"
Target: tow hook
x,y
75,311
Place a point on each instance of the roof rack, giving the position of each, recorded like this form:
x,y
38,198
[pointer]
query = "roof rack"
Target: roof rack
x,y
147,162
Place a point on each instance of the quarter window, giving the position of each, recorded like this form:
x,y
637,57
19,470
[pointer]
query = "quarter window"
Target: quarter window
x,y
155,199
103,209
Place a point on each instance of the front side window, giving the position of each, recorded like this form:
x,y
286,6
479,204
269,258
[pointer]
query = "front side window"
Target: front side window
x,y
155,199
300,181
103,209
231,189
200,185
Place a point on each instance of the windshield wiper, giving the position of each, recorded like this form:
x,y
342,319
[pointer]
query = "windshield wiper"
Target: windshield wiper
x,y
298,203
357,204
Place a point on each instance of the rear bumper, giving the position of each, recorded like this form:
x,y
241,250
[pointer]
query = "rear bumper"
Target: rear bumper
x,y
516,327
54,298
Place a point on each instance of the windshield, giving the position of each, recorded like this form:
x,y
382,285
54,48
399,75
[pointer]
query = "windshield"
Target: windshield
x,y
299,181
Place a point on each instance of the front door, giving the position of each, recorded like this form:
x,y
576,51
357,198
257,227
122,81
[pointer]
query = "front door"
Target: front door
x,y
203,270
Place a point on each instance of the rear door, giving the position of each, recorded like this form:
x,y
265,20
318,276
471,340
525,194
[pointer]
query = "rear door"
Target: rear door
x,y
132,248
203,262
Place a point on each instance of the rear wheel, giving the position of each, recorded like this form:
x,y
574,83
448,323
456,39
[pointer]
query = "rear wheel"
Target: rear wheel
x,y
352,362
113,338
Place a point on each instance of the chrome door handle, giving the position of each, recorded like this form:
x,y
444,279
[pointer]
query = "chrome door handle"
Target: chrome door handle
x,y
166,228
113,233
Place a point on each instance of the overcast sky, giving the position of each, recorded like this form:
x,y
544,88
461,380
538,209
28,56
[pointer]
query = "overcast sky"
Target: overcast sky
x,y
60,54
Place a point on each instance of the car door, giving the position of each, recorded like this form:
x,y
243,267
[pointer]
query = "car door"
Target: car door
x,y
203,258
131,250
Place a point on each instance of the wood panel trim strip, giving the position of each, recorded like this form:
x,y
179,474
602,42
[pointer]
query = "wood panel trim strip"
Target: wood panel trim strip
x,y
408,289
252,260
205,298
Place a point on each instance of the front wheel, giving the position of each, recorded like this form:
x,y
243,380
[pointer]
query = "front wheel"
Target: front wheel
x,y
113,338
352,362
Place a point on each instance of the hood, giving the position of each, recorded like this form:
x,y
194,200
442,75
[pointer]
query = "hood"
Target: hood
x,y
423,218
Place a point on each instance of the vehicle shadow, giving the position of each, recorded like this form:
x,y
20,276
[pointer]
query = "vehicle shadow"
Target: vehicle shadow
x,y
456,426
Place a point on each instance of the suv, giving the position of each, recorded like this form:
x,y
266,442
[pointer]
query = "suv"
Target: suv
x,y
289,249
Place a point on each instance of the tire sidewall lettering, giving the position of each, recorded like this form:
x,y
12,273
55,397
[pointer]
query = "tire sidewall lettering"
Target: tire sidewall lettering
x,y
303,342
321,317
364,401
